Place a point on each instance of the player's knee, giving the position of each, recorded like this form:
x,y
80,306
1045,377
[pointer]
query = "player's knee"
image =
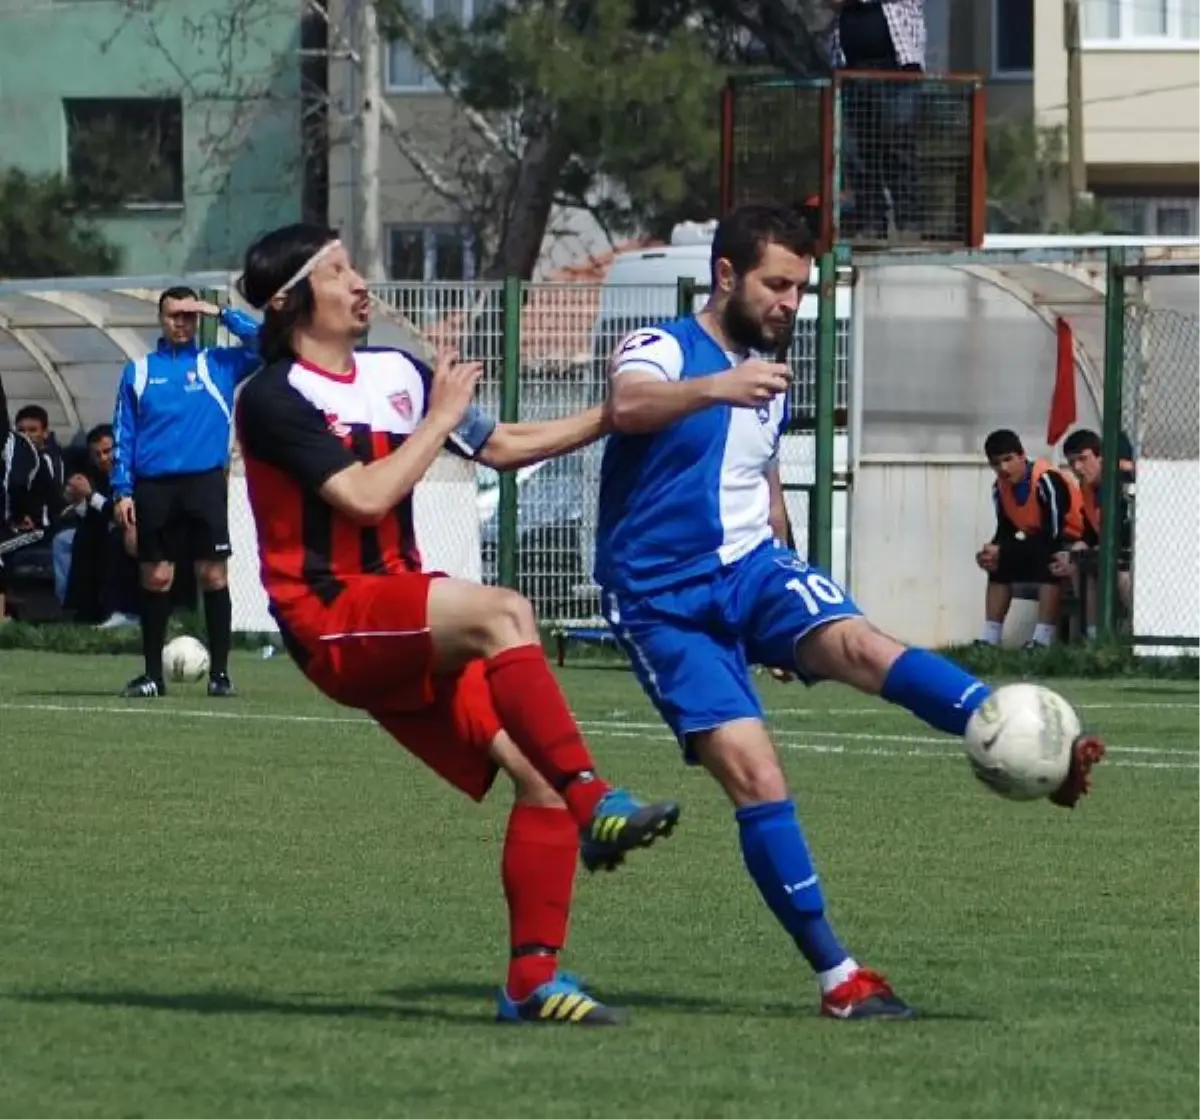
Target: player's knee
x,y
212,575
761,780
509,622
158,577
529,787
746,767
853,652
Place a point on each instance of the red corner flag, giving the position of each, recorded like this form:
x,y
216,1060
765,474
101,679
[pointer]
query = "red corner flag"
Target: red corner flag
x,y
1062,403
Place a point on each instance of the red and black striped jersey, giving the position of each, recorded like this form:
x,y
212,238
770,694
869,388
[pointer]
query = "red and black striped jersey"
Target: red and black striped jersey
x,y
299,426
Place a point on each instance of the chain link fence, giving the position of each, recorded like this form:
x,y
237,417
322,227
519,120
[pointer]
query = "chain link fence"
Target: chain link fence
x,y
1160,404
905,147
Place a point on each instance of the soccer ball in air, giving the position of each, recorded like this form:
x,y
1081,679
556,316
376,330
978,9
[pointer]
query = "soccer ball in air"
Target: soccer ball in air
x,y
1019,741
185,659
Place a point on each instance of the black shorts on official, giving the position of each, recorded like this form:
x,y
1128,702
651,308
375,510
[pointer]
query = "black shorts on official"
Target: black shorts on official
x,y
1024,561
183,517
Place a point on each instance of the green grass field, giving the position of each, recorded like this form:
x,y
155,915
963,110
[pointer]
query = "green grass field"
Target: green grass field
x,y
261,908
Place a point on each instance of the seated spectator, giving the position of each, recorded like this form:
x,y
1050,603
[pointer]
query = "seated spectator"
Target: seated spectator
x,y
26,489
1084,453
94,463
93,557
1039,516
33,422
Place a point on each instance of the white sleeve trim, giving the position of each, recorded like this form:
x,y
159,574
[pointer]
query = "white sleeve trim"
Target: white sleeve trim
x,y
649,351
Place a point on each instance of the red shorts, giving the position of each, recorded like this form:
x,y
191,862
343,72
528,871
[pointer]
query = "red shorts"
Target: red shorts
x,y
371,649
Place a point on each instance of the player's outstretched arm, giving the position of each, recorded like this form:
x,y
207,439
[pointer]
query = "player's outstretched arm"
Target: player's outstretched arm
x,y
643,401
650,390
517,445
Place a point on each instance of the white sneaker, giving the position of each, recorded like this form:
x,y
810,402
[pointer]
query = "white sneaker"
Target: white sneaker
x,y
117,618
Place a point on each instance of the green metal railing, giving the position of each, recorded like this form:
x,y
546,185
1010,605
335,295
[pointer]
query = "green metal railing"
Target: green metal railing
x,y
510,413
1114,371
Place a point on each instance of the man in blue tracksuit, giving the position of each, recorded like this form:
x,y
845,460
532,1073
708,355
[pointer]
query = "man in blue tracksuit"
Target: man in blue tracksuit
x,y
169,478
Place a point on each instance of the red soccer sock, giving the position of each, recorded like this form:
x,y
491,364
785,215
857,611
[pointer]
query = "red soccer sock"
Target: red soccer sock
x,y
541,849
534,712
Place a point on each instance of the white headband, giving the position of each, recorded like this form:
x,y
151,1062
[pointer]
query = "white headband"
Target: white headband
x,y
307,267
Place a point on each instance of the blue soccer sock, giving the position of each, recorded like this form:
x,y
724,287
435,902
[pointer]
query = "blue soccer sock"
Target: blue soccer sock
x,y
778,861
934,690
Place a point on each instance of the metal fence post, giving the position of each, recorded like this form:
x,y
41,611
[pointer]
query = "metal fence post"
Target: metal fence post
x,y
510,411
1114,374
820,510
836,163
685,296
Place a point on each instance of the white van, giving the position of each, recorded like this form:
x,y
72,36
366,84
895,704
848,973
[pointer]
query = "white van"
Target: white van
x,y
642,287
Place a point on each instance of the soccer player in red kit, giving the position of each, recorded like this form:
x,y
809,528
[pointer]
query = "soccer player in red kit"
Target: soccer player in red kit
x,y
334,439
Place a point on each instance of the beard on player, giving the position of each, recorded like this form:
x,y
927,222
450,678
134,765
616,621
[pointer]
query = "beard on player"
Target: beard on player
x,y
751,330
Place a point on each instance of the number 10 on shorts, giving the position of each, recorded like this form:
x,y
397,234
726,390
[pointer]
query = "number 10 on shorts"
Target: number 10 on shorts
x,y
816,592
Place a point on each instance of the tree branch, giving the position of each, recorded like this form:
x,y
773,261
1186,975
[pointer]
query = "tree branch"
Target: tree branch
x,y
418,42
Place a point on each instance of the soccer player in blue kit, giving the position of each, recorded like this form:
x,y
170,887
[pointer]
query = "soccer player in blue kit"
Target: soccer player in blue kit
x,y
697,584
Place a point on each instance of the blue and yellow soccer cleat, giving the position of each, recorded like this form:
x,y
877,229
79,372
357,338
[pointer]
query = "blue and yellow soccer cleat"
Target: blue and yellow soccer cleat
x,y
621,823
561,1000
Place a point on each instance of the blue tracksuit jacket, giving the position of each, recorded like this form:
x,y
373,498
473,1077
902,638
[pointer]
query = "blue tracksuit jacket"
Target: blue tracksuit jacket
x,y
174,406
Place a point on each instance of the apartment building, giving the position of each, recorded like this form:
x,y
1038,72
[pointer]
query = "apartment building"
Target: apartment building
x,y
186,119
1141,94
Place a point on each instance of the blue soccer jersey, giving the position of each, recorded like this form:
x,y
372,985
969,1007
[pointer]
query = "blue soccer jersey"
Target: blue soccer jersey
x,y
685,501
695,587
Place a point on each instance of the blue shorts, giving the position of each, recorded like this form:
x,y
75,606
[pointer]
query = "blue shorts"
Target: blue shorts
x,y
692,646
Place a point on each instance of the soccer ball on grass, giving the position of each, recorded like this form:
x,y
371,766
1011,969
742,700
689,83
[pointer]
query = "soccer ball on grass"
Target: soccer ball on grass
x,y
185,659
1019,741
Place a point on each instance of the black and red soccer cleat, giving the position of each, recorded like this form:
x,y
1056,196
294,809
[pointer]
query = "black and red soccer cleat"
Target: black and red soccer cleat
x,y
1086,752
865,995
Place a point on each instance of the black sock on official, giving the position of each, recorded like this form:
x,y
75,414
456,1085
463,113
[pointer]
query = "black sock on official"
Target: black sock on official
x,y
218,621
156,614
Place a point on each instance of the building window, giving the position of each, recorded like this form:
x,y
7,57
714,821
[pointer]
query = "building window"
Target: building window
x,y
1141,24
1154,216
405,74
126,151
1012,38
425,253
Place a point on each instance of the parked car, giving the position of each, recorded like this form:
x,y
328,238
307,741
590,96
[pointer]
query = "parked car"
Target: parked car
x,y
555,532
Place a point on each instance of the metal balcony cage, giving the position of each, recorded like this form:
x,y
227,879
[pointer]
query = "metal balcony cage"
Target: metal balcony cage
x,y
876,159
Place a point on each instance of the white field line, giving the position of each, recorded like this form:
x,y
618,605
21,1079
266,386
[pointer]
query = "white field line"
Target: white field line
x,y
911,745
912,752
1174,705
